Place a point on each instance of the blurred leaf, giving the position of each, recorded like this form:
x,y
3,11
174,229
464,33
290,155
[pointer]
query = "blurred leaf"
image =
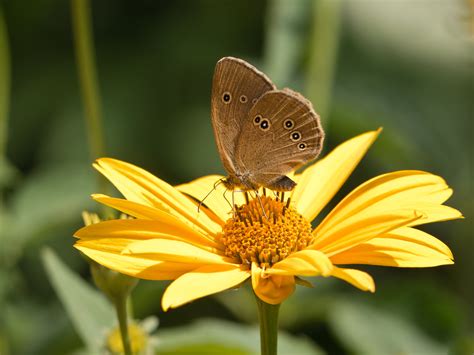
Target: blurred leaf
x,y
8,173
88,310
464,345
428,303
29,327
5,257
220,337
368,330
50,197
407,32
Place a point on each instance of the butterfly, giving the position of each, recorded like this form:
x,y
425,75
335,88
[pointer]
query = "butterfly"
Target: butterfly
x,y
262,133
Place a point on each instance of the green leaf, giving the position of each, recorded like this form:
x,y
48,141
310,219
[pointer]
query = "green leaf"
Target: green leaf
x,y
8,173
50,197
88,310
221,337
367,330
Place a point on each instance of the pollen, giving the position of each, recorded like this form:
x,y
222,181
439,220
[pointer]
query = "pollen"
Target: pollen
x,y
265,231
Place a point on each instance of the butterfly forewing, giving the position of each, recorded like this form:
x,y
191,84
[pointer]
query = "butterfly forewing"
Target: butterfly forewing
x,y
236,87
281,132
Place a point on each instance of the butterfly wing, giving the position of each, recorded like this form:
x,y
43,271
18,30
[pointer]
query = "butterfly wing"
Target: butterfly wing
x,y
281,133
236,87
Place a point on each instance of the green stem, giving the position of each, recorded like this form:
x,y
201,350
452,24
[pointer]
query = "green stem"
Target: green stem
x,y
284,40
85,57
4,85
323,56
121,309
5,255
268,317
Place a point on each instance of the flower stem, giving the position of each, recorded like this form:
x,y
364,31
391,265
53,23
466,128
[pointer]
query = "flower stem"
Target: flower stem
x,y
120,304
85,57
4,102
323,55
4,85
284,39
268,317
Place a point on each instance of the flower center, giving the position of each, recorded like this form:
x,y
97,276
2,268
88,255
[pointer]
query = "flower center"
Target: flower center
x,y
265,231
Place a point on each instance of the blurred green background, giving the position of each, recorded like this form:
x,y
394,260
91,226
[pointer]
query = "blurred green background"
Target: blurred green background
x,y
403,65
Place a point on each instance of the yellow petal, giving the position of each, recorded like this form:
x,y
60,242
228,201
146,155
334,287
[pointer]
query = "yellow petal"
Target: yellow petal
x,y
175,251
318,184
407,189
383,201
144,268
201,282
303,263
137,210
216,193
360,230
140,186
140,211
108,245
139,229
419,237
434,213
357,278
404,247
272,289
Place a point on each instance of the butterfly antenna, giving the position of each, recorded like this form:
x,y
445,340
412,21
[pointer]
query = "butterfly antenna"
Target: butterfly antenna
x,y
217,183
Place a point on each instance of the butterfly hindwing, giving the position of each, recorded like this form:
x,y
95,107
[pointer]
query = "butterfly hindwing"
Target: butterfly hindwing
x,y
281,133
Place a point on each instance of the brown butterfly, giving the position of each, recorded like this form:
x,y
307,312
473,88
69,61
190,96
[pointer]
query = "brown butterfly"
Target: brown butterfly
x,y
262,133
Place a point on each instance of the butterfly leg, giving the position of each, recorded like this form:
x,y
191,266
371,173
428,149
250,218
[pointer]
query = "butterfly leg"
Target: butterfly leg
x,y
217,183
234,209
275,194
225,198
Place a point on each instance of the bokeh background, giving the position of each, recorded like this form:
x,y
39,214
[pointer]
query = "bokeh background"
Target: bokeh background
x,y
403,65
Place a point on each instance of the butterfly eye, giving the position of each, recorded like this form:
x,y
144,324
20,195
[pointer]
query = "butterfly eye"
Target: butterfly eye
x,y
226,97
257,119
243,99
301,146
295,136
264,125
289,123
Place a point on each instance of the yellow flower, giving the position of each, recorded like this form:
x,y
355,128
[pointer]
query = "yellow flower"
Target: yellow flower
x,y
269,239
